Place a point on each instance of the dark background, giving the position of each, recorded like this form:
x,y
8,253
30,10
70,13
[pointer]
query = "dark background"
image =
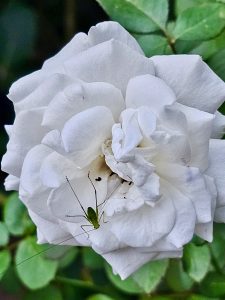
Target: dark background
x,y
52,24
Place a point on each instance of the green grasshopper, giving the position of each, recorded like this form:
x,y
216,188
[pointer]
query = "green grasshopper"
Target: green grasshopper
x,y
91,215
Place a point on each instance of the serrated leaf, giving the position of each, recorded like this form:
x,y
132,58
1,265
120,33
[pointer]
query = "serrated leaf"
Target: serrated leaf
x,y
182,5
4,234
128,285
37,271
49,293
16,217
176,278
100,297
197,261
5,259
200,23
208,48
153,44
150,275
138,15
213,285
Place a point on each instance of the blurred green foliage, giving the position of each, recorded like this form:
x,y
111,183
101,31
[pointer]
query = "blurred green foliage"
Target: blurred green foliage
x,y
30,271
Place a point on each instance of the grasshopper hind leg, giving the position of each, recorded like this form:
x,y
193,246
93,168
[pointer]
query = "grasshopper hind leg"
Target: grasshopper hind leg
x,y
82,227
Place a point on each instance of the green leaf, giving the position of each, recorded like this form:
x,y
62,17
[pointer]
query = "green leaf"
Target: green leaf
x,y
5,259
128,285
153,44
22,32
37,271
182,5
150,275
68,257
200,23
138,15
176,278
50,292
218,249
100,297
4,234
196,260
10,282
208,48
217,63
213,285
16,217
91,259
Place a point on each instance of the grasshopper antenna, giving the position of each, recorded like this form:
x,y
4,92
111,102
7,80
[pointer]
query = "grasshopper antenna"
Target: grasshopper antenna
x,y
49,248
96,201
76,196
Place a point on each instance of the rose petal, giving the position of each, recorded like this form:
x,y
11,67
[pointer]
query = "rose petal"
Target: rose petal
x,y
80,96
200,125
84,134
193,82
43,93
191,183
106,31
150,91
218,126
111,62
12,183
78,44
145,226
51,232
216,171
20,143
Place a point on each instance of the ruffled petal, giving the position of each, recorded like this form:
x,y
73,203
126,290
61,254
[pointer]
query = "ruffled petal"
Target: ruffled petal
x,y
145,226
80,96
193,82
83,134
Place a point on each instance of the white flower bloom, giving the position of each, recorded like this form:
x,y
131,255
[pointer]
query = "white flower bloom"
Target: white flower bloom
x,y
147,132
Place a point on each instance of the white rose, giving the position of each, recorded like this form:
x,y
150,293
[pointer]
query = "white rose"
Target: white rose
x,y
147,133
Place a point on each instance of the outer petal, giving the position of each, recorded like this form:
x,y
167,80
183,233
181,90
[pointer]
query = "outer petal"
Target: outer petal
x,y
150,91
111,62
32,191
78,44
191,183
200,126
184,226
12,183
127,260
51,232
43,93
193,82
80,96
106,31
217,171
20,143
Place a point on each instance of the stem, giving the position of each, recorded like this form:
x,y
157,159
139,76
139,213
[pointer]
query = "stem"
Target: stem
x,y
110,291
70,18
